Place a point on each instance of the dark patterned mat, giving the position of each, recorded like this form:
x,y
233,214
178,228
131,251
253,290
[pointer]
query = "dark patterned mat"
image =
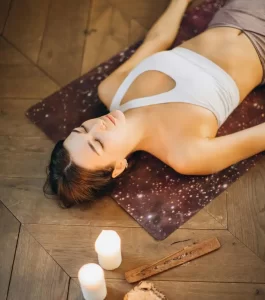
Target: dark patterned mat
x,y
158,198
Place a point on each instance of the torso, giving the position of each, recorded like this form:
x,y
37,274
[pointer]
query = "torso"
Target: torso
x,y
232,50
226,47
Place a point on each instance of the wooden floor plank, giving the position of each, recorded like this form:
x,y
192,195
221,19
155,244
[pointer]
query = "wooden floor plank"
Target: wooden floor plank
x,y
202,220
9,230
35,274
98,7
99,29
246,209
111,30
24,197
109,47
20,78
116,24
4,8
12,112
30,160
75,247
74,291
137,32
17,144
116,289
182,290
10,56
25,81
218,209
62,50
145,12
25,26
120,27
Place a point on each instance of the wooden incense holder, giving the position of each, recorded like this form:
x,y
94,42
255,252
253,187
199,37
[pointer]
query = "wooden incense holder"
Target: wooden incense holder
x,y
180,257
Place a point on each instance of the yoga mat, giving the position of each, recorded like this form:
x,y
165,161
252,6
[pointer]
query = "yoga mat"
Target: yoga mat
x,y
157,197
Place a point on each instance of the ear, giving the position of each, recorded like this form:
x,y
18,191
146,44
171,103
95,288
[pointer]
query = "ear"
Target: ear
x,y
120,166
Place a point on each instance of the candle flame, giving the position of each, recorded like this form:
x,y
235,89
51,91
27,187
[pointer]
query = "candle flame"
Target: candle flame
x,y
108,242
90,274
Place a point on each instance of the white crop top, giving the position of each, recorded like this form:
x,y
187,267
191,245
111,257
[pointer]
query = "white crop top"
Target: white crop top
x,y
198,80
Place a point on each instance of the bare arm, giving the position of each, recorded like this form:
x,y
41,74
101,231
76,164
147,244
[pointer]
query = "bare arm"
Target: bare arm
x,y
167,26
207,156
160,36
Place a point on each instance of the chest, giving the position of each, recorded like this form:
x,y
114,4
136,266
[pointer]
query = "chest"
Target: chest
x,y
148,84
174,125
170,120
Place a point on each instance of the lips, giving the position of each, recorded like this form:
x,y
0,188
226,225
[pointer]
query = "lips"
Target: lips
x,y
111,118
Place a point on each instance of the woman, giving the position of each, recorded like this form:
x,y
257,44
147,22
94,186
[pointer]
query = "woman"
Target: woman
x,y
170,104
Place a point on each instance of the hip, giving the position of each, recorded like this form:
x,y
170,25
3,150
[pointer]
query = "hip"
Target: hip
x,y
249,18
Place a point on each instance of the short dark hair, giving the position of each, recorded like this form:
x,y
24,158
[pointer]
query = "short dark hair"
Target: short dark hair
x,y
74,184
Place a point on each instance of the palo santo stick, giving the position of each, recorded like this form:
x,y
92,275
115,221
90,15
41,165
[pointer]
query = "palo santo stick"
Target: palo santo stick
x,y
180,257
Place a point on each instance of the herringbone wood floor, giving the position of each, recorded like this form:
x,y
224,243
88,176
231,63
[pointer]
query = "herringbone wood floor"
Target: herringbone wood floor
x,y
45,44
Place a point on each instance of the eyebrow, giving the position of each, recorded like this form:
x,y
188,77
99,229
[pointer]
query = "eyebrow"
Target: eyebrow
x,y
90,145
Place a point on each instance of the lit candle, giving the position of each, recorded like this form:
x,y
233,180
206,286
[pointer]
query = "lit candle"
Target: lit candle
x,y
92,281
108,248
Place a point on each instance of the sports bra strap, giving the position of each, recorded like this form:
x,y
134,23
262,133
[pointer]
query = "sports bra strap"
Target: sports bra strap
x,y
149,64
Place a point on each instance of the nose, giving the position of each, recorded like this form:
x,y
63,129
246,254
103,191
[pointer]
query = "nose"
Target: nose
x,y
98,126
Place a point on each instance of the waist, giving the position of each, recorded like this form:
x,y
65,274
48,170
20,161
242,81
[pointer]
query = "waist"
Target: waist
x,y
232,50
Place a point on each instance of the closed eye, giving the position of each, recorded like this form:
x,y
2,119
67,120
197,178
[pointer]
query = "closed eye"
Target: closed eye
x,y
90,145
82,126
100,143
96,140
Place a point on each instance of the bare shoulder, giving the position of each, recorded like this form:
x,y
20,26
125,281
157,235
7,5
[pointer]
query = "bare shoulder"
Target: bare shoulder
x,y
109,86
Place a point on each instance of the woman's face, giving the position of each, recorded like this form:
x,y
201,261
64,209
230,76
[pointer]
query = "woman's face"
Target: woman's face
x,y
99,142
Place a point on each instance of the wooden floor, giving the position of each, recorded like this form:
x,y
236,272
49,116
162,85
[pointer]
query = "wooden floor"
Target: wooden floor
x,y
44,45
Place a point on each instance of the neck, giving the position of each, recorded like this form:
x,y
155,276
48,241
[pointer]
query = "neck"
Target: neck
x,y
138,131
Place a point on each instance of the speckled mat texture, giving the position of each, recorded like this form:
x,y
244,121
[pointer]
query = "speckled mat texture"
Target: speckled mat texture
x,y
157,197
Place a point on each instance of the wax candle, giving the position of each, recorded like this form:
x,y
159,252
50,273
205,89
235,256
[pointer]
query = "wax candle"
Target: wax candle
x,y
108,248
92,281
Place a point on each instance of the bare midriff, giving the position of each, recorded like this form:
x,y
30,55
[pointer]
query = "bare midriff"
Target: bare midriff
x,y
233,51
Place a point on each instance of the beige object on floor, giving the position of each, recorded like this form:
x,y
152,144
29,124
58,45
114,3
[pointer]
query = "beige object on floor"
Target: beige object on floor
x,y
145,291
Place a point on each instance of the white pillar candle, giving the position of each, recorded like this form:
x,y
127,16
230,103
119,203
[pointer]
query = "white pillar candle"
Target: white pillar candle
x,y
108,248
92,281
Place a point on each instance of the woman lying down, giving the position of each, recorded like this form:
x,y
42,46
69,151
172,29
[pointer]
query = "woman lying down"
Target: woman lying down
x,y
170,103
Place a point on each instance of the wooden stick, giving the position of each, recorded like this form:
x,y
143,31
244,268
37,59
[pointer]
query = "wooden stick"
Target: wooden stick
x,y
180,257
